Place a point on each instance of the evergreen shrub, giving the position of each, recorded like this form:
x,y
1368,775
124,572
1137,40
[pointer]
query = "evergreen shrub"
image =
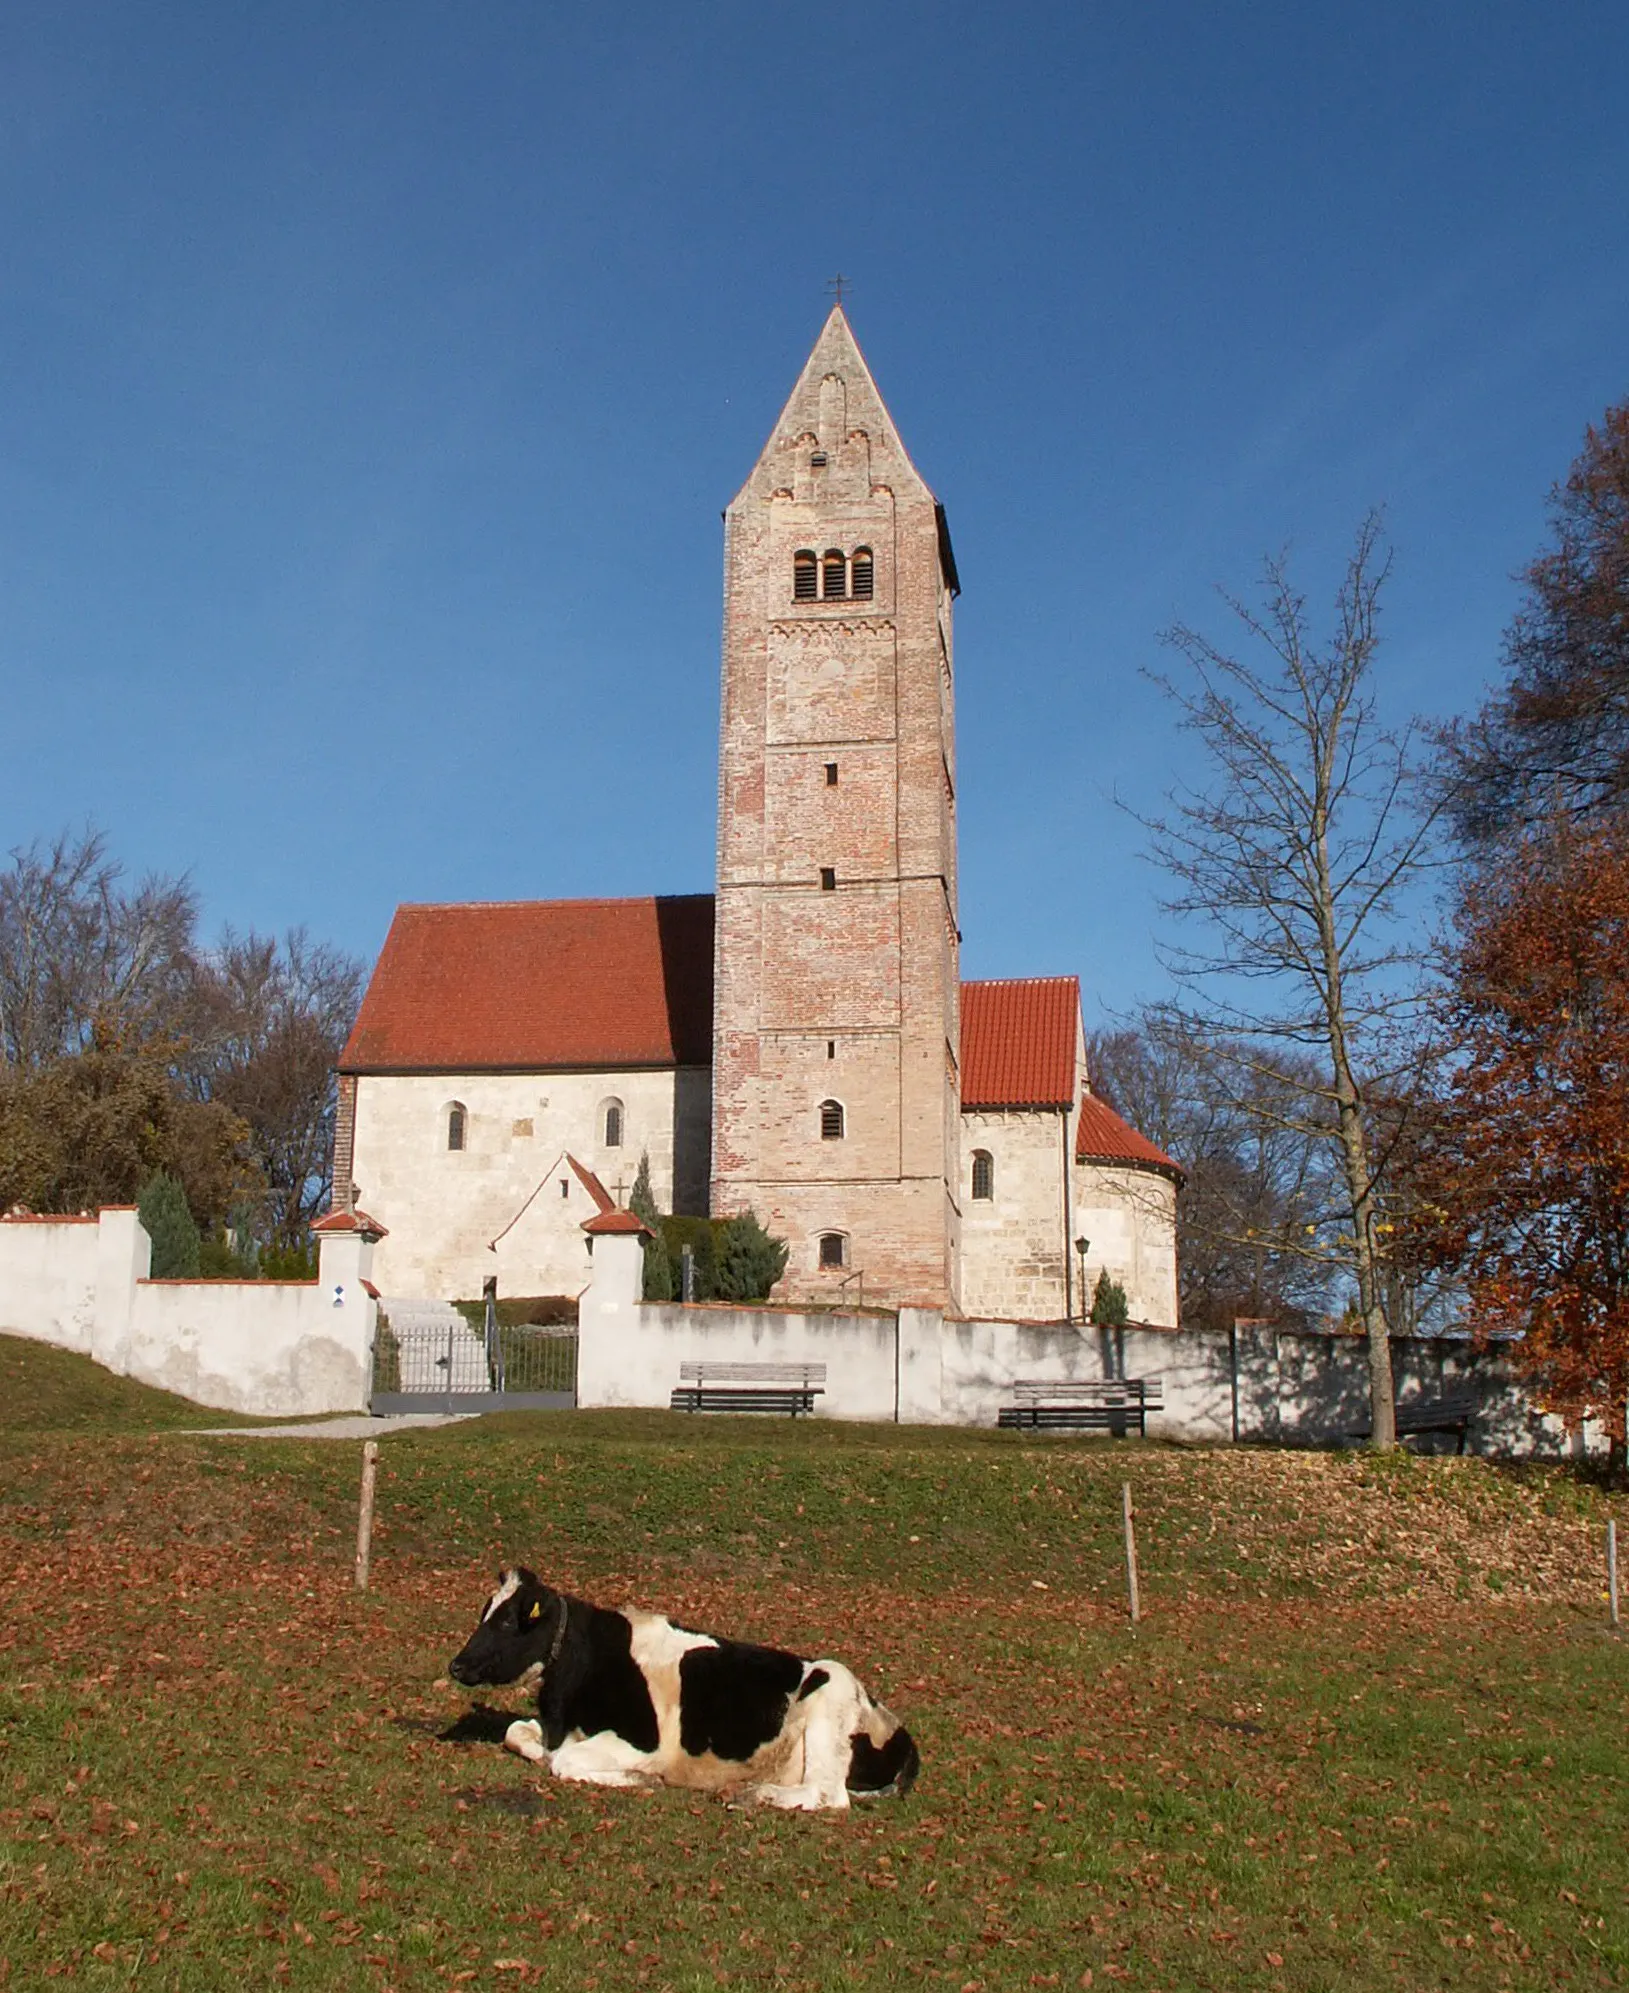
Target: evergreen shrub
x,y
1109,1307
162,1209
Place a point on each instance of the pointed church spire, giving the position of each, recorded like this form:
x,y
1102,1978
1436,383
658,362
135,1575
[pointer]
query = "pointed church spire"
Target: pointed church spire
x,y
836,412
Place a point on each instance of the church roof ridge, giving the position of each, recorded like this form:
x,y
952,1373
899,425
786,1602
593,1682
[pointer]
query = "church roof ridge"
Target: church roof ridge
x,y
590,900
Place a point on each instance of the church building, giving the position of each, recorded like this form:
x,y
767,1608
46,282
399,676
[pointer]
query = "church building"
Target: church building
x,y
800,1042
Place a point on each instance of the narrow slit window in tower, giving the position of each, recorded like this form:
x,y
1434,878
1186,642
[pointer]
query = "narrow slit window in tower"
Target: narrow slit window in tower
x,y
828,878
457,1125
831,774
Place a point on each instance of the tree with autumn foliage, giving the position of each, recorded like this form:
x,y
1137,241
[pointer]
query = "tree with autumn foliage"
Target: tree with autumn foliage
x,y
1523,1181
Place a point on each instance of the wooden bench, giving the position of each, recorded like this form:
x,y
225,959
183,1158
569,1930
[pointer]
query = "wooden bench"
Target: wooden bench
x,y
749,1387
1114,1405
1452,1412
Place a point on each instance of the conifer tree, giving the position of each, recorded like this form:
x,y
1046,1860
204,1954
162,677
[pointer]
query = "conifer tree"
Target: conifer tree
x,y
749,1260
162,1209
1109,1306
658,1262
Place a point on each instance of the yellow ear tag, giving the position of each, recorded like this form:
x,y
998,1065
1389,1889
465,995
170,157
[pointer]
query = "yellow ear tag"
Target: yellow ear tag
x,y
534,1610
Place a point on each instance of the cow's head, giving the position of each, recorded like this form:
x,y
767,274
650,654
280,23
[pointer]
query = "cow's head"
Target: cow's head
x,y
517,1629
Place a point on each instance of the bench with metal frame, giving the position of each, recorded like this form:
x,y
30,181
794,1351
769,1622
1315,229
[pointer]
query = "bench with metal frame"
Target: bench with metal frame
x,y
789,1388
1116,1405
1452,1412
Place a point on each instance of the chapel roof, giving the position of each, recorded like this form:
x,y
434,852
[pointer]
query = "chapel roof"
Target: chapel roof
x,y
1101,1136
1019,1040
538,986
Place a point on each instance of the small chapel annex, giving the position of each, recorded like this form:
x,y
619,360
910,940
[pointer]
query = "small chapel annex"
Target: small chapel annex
x,y
800,1041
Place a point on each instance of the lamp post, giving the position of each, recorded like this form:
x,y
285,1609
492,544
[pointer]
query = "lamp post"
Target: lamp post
x,y
1085,1306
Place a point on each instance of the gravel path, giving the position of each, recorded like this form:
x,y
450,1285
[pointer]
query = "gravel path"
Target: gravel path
x,y
361,1426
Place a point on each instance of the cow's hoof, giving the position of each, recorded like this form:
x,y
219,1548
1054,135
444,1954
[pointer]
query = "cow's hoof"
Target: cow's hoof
x,y
525,1739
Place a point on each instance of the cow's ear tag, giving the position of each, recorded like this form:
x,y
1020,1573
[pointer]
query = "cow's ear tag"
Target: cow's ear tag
x,y
534,1611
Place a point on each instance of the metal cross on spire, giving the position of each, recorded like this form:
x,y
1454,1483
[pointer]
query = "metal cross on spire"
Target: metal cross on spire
x,y
836,286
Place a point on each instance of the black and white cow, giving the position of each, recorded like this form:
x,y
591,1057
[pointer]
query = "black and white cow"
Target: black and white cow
x,y
628,1698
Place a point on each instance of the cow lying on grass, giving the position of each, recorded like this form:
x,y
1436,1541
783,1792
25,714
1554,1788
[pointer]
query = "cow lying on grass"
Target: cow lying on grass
x,y
628,1698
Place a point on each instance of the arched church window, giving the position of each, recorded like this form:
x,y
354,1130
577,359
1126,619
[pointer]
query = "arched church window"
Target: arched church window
x,y
834,575
611,1124
862,573
804,571
834,1249
831,1121
457,1124
983,1173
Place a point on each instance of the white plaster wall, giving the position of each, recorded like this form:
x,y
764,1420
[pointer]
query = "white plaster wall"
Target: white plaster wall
x,y
253,1347
922,1369
48,1280
442,1207
246,1346
629,1352
1129,1217
1014,1243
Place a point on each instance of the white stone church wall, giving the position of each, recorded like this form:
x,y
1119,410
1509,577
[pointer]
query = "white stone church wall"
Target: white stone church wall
x,y
1128,1217
443,1207
1014,1242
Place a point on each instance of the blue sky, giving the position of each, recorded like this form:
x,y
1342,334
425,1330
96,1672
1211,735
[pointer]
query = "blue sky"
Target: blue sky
x,y
372,378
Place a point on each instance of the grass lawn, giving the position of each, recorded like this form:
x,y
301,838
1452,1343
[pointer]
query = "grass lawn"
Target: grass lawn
x,y
1370,1734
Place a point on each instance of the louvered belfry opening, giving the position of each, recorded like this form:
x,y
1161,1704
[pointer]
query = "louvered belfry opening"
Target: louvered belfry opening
x,y
805,569
834,581
831,1121
862,574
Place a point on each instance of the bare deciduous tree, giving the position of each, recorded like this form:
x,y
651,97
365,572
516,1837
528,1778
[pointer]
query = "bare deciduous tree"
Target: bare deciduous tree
x,y
1293,858
267,1023
243,1036
1251,1181
81,957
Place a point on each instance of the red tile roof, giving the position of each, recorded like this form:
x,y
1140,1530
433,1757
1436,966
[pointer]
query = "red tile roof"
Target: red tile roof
x,y
615,1221
351,1221
591,1183
1102,1137
1018,1042
540,985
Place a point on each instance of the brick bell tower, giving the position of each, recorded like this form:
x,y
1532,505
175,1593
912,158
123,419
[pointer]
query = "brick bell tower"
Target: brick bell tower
x,y
836,1031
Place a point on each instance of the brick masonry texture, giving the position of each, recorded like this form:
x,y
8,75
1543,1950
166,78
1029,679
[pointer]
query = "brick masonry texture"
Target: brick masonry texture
x,y
846,991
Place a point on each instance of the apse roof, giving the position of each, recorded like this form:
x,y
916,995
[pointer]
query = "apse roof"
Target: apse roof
x,y
1102,1136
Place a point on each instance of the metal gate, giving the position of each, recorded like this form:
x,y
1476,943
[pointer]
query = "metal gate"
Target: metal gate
x,y
429,1357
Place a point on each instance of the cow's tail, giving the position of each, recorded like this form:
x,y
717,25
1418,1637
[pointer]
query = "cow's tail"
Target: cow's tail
x,y
883,1760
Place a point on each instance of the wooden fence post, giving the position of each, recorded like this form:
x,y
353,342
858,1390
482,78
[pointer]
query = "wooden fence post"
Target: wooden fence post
x,y
364,1515
1612,1572
1131,1553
